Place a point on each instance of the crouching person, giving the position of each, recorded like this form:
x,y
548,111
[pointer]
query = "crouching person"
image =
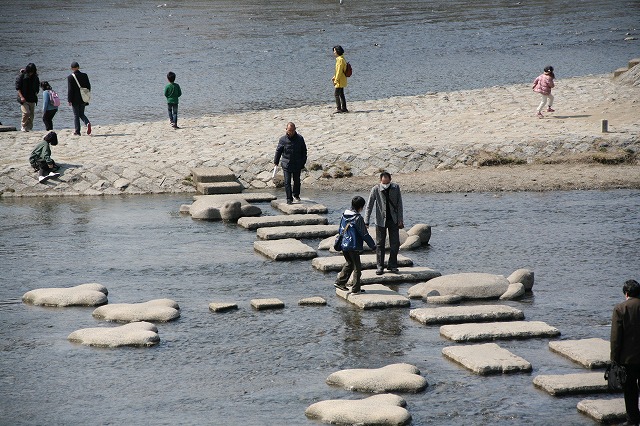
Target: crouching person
x,y
41,160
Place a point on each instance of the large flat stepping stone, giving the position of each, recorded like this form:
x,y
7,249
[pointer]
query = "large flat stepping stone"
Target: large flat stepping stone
x,y
219,188
286,249
303,231
590,353
312,301
380,410
375,296
253,223
462,314
466,285
335,263
250,197
215,208
160,310
487,358
222,306
565,384
604,410
405,274
91,294
474,332
264,304
212,174
391,378
134,334
298,208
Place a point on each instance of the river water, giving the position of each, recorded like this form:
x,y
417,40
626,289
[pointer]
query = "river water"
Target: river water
x,y
264,368
238,55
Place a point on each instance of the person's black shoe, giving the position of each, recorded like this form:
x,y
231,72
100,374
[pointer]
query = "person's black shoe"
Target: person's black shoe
x,y
379,271
340,287
358,291
289,201
394,270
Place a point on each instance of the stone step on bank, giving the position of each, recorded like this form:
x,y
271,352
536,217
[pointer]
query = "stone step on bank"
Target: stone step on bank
x,y
215,180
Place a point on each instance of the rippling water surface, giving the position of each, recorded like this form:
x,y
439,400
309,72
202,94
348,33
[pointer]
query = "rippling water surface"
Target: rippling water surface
x,y
264,368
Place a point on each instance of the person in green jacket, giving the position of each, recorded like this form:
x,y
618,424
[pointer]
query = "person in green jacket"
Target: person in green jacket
x,y
172,92
40,158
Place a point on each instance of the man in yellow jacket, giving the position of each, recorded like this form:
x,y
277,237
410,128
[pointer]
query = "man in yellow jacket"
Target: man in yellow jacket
x,y
339,79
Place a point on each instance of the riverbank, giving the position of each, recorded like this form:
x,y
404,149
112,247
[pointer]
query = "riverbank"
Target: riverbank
x,y
472,140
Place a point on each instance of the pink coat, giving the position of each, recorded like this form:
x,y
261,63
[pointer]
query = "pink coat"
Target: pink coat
x,y
543,84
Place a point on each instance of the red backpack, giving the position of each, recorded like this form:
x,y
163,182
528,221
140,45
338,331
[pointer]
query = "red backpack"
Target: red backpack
x,y
348,71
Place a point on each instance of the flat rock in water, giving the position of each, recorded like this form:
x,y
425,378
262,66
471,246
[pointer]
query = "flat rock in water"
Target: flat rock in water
x,y
335,263
604,410
380,410
375,296
459,314
285,249
473,332
405,274
215,208
487,358
160,310
219,188
281,220
222,307
565,384
91,294
590,353
391,378
315,300
133,334
302,231
467,285
249,197
443,300
262,304
212,174
298,208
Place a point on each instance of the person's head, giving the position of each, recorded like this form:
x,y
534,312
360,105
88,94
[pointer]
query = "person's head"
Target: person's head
x,y
31,69
75,66
290,129
385,178
631,288
52,138
338,50
171,76
44,85
357,203
548,69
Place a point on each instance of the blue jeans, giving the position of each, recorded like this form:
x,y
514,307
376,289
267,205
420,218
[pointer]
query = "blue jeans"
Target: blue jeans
x,y
173,113
78,114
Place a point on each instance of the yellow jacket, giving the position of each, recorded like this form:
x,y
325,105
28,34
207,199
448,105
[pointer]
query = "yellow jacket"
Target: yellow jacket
x,y
339,79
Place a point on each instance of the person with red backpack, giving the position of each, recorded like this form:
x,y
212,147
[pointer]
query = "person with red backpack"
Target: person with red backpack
x,y
339,79
50,104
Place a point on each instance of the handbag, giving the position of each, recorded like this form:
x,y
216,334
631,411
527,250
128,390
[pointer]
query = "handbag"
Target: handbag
x,y
337,244
616,376
84,92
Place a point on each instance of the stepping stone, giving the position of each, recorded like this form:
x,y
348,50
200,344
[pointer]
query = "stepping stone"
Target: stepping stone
x,y
487,358
443,300
253,223
286,249
134,334
590,353
473,332
467,285
212,208
263,304
604,410
92,294
327,244
375,296
565,384
408,274
249,197
335,263
309,301
461,314
380,410
303,231
222,307
7,129
160,310
299,208
212,174
391,378
219,188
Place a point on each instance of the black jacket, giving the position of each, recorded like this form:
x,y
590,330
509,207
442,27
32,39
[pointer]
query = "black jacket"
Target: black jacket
x,y
29,86
291,153
73,91
625,332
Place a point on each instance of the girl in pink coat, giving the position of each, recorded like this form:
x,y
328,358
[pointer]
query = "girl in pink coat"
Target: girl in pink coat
x,y
543,85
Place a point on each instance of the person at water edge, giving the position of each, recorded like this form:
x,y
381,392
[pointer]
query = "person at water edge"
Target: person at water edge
x,y
172,92
76,80
40,158
339,79
352,239
291,154
625,345
49,108
387,199
543,85
28,86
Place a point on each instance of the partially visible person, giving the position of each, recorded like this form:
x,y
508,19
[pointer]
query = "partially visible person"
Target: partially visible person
x,y
291,154
172,92
353,237
28,86
76,80
339,79
50,102
625,346
40,158
387,200
543,85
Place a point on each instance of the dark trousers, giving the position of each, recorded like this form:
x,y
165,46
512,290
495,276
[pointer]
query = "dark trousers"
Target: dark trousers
x,y
47,118
394,244
341,102
354,266
631,393
43,168
295,191
173,113
78,114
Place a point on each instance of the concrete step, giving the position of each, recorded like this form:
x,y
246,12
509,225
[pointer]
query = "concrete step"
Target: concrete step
x,y
487,358
213,174
219,188
282,220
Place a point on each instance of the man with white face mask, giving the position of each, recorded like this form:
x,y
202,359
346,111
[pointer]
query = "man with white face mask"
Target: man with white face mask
x,y
388,203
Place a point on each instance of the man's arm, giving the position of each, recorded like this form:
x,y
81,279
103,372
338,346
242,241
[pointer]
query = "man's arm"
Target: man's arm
x,y
372,199
616,335
279,149
304,152
400,210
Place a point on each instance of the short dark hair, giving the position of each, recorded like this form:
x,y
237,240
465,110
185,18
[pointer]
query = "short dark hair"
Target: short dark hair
x,y
74,64
383,174
44,85
357,203
31,68
631,288
52,138
339,50
171,76
548,68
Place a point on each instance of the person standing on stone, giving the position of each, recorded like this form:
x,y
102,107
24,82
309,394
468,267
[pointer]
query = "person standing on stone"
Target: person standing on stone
x,y
40,158
28,86
625,346
354,232
543,85
291,154
387,200
339,79
76,80
49,107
